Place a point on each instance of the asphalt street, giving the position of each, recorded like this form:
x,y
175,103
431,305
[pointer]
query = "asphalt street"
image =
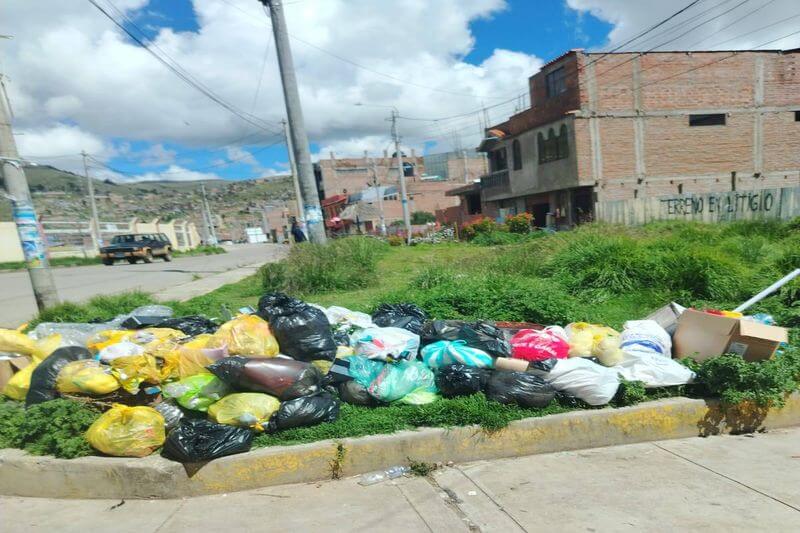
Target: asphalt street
x,y
77,284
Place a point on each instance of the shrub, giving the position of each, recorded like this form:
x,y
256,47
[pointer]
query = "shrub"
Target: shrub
x,y
422,217
497,238
347,263
98,309
520,223
395,240
484,225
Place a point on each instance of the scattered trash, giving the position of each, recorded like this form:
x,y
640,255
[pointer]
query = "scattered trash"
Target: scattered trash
x,y
380,476
386,343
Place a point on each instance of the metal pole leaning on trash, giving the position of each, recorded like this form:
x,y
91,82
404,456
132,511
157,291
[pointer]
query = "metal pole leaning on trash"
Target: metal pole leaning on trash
x,y
769,290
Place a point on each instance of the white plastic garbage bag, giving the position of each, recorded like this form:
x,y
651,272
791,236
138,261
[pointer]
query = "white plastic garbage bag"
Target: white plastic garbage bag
x,y
341,316
647,350
594,384
120,349
386,343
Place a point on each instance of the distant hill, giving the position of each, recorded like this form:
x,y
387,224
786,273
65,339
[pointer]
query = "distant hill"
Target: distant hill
x,y
62,195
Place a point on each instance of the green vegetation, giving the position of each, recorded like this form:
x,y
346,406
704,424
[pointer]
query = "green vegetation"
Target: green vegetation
x,y
422,217
203,249
55,262
50,428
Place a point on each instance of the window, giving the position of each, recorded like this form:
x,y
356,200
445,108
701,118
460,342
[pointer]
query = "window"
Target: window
x,y
553,147
516,154
717,119
556,82
797,116
498,160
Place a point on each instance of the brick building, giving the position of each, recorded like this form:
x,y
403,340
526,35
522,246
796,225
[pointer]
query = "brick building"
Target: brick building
x,y
626,126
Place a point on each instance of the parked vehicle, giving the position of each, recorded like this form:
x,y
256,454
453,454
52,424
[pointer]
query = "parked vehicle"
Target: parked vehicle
x,y
133,247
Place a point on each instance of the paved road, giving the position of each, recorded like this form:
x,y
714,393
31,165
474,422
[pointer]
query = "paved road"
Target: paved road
x,y
743,483
81,283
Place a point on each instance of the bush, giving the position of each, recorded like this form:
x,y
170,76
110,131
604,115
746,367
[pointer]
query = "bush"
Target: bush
x,y
348,263
484,225
98,309
51,428
520,223
422,217
497,238
395,240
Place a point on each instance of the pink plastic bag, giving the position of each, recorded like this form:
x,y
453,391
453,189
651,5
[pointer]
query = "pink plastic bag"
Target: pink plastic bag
x,y
538,345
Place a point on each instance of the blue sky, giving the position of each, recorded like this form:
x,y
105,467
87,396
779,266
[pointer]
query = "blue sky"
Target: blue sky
x,y
543,28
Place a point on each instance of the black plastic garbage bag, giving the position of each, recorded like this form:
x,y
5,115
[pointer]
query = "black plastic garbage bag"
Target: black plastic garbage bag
x,y
521,388
286,379
305,411
303,331
480,335
461,380
355,393
43,378
196,440
190,325
406,316
341,338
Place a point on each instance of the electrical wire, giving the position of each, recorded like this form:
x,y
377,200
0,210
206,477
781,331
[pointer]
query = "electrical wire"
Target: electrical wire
x,y
777,22
751,12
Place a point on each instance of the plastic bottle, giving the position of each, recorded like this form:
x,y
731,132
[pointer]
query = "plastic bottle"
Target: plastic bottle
x,y
382,475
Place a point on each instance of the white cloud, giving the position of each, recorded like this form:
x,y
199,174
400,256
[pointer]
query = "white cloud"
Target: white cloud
x,y
157,155
74,67
240,155
172,173
733,30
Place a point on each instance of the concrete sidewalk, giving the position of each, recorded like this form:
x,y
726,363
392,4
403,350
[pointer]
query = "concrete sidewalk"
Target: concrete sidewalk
x,y
731,483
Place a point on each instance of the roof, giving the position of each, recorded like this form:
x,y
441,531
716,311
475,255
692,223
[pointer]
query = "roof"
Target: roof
x,y
361,211
335,199
464,189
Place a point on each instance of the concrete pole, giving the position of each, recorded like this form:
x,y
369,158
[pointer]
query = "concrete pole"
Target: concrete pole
x,y
403,194
301,219
302,153
380,197
265,221
212,230
97,239
30,232
464,160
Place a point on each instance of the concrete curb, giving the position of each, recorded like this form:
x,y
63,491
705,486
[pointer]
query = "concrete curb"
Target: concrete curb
x,y
154,477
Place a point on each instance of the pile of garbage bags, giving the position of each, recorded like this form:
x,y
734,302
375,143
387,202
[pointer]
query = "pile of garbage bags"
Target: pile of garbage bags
x,y
199,390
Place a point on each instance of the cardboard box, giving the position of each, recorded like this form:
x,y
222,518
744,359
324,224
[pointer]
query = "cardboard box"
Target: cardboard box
x,y
10,366
703,335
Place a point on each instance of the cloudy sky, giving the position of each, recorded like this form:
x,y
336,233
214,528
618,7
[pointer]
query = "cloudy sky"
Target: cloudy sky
x,y
77,82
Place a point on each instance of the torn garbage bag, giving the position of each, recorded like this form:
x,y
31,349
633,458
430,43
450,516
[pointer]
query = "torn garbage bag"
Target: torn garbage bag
x,y
305,411
481,335
647,356
521,388
285,379
244,409
444,353
303,331
386,344
43,379
406,316
197,392
461,380
196,440
594,384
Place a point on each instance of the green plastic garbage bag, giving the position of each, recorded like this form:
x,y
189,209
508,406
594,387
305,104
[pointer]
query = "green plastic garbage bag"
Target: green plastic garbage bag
x,y
399,379
197,392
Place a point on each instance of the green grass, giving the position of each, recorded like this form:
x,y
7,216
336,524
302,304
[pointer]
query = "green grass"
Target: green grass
x,y
55,262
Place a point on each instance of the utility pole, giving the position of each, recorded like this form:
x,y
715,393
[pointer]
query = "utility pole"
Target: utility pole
x,y
265,220
209,216
464,159
403,195
302,153
380,196
30,232
97,239
301,219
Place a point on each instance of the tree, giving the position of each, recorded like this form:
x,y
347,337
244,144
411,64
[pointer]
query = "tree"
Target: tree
x,y
422,217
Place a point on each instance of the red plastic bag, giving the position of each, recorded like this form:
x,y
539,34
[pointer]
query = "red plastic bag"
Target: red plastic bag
x,y
538,345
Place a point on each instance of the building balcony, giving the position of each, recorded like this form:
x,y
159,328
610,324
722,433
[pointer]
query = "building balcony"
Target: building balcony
x,y
496,182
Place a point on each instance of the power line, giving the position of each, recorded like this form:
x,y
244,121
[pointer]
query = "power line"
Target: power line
x,y
781,21
683,23
762,6
178,71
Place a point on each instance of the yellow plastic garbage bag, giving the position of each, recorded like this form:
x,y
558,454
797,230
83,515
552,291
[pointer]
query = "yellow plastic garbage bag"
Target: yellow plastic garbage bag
x,y
133,370
44,347
19,384
596,340
86,376
244,409
150,338
107,337
200,341
126,431
14,341
247,335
